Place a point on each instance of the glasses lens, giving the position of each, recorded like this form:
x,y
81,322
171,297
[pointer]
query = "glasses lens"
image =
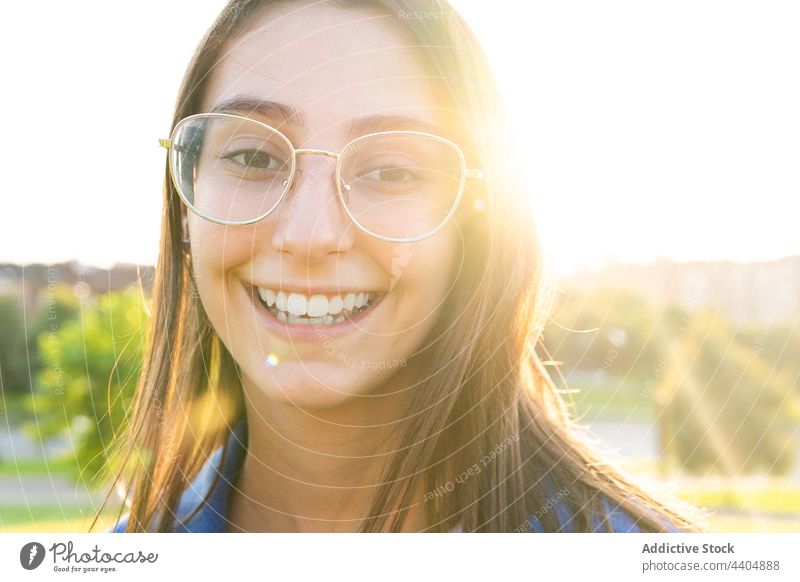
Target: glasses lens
x,y
228,168
401,185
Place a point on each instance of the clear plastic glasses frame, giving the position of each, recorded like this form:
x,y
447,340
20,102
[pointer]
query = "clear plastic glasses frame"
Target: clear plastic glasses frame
x,y
342,186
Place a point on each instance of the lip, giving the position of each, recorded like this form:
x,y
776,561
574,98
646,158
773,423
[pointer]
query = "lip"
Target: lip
x,y
308,332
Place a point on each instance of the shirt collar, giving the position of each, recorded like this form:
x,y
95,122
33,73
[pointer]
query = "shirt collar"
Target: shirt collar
x,y
204,504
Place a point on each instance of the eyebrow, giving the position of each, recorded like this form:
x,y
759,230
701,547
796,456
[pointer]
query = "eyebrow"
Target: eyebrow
x,y
375,123
283,113
272,110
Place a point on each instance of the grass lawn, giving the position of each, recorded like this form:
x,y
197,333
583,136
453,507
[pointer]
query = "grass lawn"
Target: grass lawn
x,y
46,518
743,504
776,498
747,504
613,401
735,523
59,466
50,518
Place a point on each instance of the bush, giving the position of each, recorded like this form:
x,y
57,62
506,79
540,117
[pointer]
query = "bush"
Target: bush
x,y
91,367
14,377
723,408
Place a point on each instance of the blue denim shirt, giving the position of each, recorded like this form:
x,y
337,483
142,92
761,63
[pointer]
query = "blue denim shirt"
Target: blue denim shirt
x,y
211,516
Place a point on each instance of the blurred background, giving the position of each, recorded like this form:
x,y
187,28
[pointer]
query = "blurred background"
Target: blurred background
x,y
661,142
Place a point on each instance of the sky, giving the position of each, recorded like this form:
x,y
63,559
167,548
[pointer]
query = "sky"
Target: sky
x,y
649,129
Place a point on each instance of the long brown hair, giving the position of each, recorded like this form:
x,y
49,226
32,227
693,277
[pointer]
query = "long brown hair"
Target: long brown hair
x,y
489,394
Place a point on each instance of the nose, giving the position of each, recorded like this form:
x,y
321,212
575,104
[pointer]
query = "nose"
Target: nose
x,y
312,223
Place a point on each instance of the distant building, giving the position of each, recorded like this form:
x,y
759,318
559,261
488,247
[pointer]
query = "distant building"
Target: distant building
x,y
31,282
762,292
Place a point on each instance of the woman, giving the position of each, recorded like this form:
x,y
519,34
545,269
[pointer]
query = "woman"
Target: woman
x,y
348,295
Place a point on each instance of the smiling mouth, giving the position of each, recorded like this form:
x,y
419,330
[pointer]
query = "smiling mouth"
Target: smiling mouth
x,y
319,309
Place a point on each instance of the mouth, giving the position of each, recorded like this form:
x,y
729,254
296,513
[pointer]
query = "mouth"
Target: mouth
x,y
323,309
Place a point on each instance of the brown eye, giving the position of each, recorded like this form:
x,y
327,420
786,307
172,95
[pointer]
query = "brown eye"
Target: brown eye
x,y
254,160
389,174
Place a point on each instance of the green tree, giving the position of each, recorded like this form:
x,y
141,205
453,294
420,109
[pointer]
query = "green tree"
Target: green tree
x,y
20,356
14,377
58,306
91,368
722,407
603,332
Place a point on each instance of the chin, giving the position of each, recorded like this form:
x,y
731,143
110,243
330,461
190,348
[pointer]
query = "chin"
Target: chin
x,y
309,386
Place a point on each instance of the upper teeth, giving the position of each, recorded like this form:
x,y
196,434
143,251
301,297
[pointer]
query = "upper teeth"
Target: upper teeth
x,y
315,305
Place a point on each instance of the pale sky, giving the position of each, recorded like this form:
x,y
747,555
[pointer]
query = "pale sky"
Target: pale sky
x,y
651,129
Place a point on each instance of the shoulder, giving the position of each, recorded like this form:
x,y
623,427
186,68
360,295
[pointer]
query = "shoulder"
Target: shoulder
x,y
120,526
203,504
619,519
191,499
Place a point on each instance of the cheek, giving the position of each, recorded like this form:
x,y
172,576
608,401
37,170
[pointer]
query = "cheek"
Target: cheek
x,y
423,274
216,248
216,251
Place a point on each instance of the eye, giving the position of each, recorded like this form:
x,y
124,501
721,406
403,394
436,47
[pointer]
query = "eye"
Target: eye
x,y
389,174
252,159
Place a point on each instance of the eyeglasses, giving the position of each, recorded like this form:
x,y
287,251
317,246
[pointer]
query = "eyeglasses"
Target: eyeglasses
x,y
398,186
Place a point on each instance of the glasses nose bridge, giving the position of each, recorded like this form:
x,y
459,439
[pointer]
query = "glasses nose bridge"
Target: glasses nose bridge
x,y
311,151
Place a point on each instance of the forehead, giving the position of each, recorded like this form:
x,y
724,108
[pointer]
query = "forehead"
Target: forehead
x,y
332,65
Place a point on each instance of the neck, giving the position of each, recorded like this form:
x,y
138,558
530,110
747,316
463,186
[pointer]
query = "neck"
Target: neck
x,y
316,470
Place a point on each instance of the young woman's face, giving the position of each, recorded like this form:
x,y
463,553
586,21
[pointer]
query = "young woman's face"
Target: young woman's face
x,y
345,73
